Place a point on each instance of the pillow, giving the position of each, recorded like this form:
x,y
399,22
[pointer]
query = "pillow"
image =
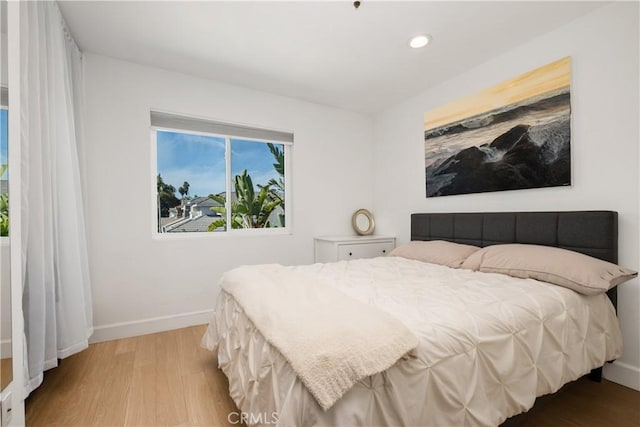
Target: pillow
x,y
573,270
436,252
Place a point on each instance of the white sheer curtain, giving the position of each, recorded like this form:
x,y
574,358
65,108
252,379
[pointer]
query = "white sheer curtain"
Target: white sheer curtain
x,y
57,294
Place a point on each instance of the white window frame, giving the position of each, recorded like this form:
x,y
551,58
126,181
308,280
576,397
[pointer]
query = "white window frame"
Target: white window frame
x,y
229,232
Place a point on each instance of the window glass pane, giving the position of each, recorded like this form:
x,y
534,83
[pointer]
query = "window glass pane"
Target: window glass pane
x,y
257,184
4,174
191,182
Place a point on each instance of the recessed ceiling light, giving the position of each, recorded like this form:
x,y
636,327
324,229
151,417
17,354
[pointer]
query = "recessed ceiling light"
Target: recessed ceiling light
x,y
419,41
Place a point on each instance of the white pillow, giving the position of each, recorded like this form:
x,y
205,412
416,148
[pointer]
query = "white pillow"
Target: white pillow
x,y
436,252
573,270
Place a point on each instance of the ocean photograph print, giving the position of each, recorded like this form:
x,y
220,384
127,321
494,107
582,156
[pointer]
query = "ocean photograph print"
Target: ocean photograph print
x,y
512,136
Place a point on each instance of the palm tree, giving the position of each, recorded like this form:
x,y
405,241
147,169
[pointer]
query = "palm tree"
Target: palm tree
x,y
166,197
222,211
277,193
250,210
184,190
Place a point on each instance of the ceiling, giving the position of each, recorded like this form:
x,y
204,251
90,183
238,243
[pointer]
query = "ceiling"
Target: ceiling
x,y
320,51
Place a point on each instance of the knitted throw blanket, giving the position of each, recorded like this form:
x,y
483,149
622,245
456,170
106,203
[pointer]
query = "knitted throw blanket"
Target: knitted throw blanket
x,y
330,339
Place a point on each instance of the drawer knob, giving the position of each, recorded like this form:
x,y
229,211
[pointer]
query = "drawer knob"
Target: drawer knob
x,y
350,253
384,251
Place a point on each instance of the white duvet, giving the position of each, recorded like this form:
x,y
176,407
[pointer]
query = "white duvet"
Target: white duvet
x,y
488,345
330,339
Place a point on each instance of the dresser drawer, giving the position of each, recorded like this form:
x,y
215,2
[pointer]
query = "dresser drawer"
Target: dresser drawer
x,y
339,248
364,250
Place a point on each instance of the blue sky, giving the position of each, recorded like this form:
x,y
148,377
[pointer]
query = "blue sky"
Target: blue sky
x,y
200,161
3,139
255,158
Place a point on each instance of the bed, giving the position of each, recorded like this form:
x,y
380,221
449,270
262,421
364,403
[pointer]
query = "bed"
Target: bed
x,y
488,344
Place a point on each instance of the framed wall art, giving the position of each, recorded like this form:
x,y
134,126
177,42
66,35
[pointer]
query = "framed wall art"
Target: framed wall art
x,y
511,136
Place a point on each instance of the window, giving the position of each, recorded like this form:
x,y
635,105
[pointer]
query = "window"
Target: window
x,y
4,163
213,177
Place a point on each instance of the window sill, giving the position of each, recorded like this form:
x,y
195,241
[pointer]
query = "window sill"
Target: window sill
x,y
241,233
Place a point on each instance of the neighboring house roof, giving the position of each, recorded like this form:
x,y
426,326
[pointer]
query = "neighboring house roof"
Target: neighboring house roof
x,y
165,220
200,223
204,202
207,201
204,217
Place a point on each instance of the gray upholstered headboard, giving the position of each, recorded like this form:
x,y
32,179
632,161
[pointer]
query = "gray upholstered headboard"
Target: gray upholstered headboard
x,y
593,233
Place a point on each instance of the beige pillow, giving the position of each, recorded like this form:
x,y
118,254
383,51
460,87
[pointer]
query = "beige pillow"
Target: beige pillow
x,y
436,252
573,270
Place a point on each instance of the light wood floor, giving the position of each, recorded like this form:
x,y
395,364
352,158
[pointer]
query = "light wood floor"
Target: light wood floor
x,y
167,379
164,379
6,372
588,404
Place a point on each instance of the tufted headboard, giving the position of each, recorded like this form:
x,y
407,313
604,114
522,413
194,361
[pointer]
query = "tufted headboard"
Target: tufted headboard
x,y
593,233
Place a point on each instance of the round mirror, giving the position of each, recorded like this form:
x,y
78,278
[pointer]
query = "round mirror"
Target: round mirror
x,y
362,221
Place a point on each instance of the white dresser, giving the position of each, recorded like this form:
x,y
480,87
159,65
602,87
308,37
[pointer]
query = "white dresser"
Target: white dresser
x,y
338,248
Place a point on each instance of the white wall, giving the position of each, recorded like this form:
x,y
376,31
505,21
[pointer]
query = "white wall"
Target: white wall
x,y
135,277
604,47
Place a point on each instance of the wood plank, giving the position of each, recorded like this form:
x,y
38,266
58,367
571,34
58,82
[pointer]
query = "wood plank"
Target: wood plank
x,y
126,345
141,407
170,402
147,350
71,374
142,402
114,396
200,401
6,372
60,389
587,403
188,357
216,380
167,379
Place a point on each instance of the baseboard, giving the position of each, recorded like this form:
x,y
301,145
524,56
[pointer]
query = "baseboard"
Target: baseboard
x,y
149,326
621,373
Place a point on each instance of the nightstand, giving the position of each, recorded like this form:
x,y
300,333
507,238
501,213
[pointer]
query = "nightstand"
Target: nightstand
x,y
338,248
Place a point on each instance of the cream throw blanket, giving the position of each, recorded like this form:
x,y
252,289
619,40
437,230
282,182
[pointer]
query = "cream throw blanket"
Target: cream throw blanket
x,y
330,339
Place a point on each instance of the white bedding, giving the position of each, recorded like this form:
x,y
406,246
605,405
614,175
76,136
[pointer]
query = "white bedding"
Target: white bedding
x,y
299,315
488,345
